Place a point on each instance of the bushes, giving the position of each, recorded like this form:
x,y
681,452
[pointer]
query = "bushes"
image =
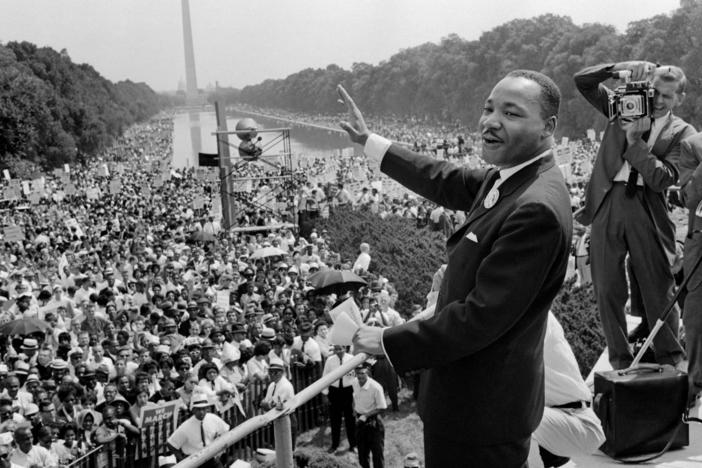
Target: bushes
x,y
407,256
576,309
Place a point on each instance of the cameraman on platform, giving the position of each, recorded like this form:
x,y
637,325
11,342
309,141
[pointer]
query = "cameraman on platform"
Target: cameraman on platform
x,y
626,202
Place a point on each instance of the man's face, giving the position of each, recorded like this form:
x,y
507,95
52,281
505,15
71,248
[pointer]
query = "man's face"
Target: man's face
x,y
5,413
362,376
511,124
199,413
666,97
12,386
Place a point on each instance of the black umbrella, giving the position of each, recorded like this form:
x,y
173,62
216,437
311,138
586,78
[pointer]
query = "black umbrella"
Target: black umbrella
x,y
24,327
335,281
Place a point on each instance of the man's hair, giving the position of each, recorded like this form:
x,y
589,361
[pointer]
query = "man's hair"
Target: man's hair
x,y
672,74
550,94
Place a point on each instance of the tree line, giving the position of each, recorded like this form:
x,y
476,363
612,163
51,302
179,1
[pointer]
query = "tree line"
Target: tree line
x,y
450,80
54,111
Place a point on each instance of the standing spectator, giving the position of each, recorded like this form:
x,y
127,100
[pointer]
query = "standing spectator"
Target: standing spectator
x,y
369,404
340,397
196,432
362,263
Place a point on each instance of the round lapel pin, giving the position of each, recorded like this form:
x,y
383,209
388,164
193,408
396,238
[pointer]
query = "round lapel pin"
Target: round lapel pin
x,y
491,198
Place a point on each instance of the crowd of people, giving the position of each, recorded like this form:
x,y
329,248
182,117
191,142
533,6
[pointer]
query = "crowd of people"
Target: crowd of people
x,y
148,299
132,305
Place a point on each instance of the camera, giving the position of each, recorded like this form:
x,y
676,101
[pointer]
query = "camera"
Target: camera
x,y
633,99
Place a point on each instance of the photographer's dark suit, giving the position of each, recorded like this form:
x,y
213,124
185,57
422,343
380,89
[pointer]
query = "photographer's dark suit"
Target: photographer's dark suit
x,y
691,191
483,392
638,225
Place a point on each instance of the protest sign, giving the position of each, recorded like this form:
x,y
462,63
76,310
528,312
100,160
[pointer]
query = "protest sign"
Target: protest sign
x,y
13,234
157,424
6,173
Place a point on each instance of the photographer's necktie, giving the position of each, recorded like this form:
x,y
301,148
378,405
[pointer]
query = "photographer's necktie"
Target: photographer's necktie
x,y
631,182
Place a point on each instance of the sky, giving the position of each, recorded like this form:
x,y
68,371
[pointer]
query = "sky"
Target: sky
x,y
241,43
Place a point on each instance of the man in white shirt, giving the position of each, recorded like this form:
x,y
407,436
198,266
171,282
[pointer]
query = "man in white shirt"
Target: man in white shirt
x,y
363,261
198,431
340,396
29,455
569,426
279,391
305,343
369,403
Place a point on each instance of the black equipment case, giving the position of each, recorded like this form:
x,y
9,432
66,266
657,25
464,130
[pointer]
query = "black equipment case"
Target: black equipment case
x,y
640,409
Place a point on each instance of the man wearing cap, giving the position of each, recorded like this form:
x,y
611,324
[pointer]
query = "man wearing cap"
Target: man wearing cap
x,y
369,404
29,347
279,391
340,396
198,431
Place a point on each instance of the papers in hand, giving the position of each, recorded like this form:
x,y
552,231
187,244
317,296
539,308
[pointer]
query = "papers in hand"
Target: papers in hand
x,y
346,320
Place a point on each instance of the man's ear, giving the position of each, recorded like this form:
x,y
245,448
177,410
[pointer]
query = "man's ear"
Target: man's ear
x,y
681,98
549,127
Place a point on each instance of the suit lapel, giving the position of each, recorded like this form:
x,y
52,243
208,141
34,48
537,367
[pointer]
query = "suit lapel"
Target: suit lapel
x,y
480,196
660,146
512,184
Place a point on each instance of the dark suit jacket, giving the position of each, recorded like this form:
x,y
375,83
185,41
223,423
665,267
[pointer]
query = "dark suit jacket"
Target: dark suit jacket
x,y
691,191
659,167
484,347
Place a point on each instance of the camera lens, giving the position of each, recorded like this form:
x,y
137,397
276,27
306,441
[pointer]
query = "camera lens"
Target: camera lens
x,y
630,105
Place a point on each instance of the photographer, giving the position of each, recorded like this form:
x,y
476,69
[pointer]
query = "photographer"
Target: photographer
x,y
625,200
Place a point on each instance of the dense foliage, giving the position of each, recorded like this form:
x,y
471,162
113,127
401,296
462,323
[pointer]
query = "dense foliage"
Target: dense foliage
x,y
54,111
450,80
407,256
576,309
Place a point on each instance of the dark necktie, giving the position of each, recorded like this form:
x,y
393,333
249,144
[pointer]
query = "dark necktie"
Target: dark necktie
x,y
202,433
341,379
631,183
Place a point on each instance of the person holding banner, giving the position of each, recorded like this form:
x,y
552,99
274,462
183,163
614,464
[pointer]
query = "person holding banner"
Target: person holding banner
x,y
505,267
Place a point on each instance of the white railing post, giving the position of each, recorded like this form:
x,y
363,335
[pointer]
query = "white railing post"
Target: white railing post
x,y
282,430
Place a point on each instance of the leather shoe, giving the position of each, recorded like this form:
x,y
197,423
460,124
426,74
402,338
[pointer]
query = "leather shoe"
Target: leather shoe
x,y
332,449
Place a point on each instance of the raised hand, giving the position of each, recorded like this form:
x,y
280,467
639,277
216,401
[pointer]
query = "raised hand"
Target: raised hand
x,y
355,126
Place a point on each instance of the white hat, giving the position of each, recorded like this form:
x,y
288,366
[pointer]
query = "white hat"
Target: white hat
x,y
200,402
240,464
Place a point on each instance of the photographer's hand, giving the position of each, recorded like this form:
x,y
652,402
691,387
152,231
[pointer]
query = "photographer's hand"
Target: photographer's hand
x,y
356,126
635,128
641,70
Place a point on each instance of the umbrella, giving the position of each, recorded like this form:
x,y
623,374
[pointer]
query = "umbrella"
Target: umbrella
x,y
24,327
335,281
268,252
202,236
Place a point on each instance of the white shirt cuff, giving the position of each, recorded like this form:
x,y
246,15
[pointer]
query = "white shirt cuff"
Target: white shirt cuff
x,y
375,147
382,346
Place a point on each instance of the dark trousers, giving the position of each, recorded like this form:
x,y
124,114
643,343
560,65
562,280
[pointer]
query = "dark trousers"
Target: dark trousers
x,y
370,436
341,405
692,318
440,452
622,225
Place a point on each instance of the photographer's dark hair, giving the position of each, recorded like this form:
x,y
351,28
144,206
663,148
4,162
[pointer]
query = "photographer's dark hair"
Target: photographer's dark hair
x,y
550,94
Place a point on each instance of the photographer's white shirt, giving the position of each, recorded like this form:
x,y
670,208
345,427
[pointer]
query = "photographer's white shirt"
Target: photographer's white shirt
x,y
656,127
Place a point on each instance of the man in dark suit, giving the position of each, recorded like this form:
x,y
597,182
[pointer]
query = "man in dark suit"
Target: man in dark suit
x,y
626,205
691,192
482,394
